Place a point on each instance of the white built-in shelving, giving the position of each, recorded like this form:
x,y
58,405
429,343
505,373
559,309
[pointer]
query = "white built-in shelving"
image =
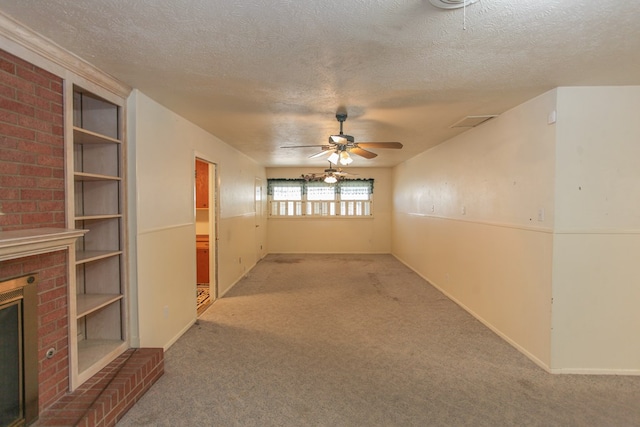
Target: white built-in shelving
x,y
98,280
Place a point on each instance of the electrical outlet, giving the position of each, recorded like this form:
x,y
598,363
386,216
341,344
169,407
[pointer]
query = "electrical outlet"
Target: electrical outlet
x,y
541,214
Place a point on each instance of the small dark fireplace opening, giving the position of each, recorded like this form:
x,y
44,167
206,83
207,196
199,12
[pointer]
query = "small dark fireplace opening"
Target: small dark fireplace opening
x,y
18,351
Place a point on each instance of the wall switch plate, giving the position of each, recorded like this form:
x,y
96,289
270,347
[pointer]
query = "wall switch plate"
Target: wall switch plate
x,y
541,214
552,117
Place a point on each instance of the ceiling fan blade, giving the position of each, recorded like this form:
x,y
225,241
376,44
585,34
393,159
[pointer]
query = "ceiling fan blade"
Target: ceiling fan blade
x,y
306,146
324,152
363,153
379,145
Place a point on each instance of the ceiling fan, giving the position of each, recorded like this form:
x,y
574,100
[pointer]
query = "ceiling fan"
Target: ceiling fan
x,y
330,175
342,145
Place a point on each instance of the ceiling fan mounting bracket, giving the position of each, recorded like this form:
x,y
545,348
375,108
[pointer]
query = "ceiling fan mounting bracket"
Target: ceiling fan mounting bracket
x,y
341,117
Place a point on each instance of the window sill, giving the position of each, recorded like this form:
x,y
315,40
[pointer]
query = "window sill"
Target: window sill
x,y
325,217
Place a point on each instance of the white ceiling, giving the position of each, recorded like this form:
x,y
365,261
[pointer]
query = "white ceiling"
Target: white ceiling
x,y
260,74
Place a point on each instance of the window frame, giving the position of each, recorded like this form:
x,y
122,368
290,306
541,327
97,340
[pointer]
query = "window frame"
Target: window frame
x,y
337,207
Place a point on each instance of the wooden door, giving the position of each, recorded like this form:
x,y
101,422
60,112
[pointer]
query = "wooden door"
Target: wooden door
x,y
202,184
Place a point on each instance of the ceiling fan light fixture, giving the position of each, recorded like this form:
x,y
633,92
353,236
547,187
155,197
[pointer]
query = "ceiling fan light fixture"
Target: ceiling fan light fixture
x,y
345,158
334,157
452,4
330,179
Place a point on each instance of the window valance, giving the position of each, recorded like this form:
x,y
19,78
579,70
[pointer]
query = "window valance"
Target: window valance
x,y
344,186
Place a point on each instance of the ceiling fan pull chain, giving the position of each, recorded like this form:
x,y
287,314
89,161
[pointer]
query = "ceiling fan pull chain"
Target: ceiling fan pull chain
x,y
464,15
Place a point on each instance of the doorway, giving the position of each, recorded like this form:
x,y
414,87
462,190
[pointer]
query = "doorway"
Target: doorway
x,y
258,218
206,234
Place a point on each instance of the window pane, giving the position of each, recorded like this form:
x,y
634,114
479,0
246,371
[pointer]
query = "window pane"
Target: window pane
x,y
354,193
321,193
287,193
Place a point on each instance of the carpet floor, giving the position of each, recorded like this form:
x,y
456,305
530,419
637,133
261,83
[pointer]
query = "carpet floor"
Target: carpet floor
x,y
361,340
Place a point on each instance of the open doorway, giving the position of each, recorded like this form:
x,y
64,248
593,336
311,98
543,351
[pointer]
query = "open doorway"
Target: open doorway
x,y
206,227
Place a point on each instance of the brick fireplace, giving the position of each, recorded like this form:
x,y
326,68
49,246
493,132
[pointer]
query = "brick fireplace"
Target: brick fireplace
x,y
34,239
32,196
18,350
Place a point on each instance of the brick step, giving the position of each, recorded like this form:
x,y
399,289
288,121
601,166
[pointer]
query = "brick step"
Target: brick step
x,y
104,398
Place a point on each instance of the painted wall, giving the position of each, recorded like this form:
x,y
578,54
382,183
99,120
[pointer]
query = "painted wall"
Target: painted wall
x,y
596,297
335,235
474,216
161,156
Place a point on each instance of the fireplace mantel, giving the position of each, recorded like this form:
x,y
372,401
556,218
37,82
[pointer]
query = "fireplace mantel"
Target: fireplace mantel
x,y
35,241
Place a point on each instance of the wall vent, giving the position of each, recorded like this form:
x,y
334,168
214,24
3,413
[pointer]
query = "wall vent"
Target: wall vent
x,y
472,121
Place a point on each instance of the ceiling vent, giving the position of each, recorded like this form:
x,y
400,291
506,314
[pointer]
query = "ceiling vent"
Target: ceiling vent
x,y
472,121
451,4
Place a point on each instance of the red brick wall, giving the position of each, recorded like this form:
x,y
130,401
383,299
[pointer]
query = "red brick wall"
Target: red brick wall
x,y
32,196
31,146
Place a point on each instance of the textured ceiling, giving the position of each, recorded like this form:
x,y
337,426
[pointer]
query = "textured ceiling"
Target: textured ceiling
x,y
260,74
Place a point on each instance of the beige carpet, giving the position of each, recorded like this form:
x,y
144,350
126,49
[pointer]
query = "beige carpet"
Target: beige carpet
x,y
360,340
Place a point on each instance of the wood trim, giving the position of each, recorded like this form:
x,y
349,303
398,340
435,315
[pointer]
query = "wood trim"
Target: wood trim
x,y
38,44
21,243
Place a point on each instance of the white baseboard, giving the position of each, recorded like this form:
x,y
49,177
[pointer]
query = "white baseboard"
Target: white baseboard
x,y
533,358
580,371
179,334
514,344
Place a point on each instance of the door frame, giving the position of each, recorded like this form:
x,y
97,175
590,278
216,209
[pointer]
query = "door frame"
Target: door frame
x,y
258,207
214,214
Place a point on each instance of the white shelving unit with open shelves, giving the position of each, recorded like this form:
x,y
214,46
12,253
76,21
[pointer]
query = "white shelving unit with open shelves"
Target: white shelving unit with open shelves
x,y
97,286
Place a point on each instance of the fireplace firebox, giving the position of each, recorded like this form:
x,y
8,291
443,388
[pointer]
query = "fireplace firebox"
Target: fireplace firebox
x,y
18,351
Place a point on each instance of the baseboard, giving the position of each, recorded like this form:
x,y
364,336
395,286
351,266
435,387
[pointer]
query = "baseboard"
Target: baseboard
x,y
245,274
495,330
581,371
179,334
329,253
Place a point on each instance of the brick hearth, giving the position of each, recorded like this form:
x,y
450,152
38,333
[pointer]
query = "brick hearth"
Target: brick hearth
x,y
104,398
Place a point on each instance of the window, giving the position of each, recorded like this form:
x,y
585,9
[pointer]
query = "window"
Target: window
x,y
297,198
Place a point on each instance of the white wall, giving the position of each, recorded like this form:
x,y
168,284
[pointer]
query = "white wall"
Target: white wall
x,y
596,273
466,218
535,227
335,235
161,156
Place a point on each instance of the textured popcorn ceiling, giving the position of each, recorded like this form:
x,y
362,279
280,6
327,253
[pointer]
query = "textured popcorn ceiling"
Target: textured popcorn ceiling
x,y
264,73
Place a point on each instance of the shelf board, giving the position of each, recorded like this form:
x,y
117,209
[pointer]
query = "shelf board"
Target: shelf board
x,y
83,136
97,217
88,256
88,303
84,176
96,353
